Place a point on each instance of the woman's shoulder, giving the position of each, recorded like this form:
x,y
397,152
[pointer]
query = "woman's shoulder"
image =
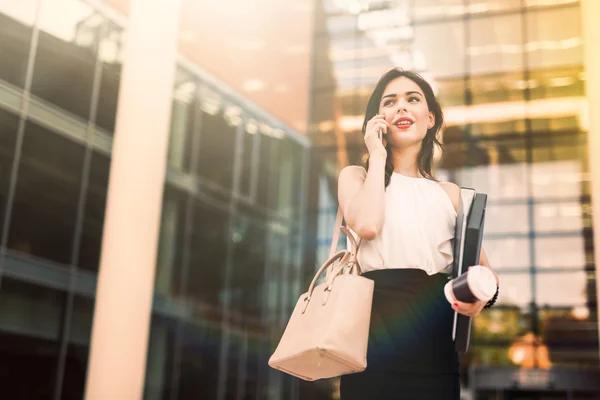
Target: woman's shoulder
x,y
453,192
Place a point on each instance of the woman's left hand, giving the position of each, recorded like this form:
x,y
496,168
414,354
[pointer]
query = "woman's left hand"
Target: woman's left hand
x,y
468,309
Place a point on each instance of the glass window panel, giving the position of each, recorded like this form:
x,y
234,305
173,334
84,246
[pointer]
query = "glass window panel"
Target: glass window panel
x,y
503,152
563,109
29,339
16,20
557,82
217,142
182,121
170,248
567,150
342,24
322,112
561,289
515,289
95,207
549,47
66,55
78,348
351,105
505,219
450,93
508,252
491,6
455,157
559,179
437,9
110,54
208,258
159,367
571,334
200,362
557,217
496,46
9,124
346,55
549,3
486,157
560,252
439,49
500,324
333,6
323,76
49,175
248,272
497,88
276,266
249,154
290,175
542,124
500,126
500,182
268,172
483,354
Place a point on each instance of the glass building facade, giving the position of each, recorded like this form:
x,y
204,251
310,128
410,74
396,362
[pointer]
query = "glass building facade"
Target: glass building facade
x,y
262,120
230,247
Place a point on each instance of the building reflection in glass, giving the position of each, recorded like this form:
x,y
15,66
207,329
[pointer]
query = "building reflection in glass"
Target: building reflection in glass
x,y
510,77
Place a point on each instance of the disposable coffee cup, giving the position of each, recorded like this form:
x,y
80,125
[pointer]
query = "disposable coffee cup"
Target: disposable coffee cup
x,y
477,284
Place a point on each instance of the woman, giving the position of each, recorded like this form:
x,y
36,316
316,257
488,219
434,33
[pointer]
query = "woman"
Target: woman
x,y
406,220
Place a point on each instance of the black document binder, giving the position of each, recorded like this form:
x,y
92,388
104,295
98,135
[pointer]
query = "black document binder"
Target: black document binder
x,y
470,220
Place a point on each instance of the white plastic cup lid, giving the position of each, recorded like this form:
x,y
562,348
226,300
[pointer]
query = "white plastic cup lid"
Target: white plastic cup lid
x,y
482,282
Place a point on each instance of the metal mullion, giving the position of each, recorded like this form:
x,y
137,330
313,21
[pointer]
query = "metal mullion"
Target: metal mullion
x,y
225,328
65,332
528,139
242,370
188,235
271,234
12,187
468,96
255,169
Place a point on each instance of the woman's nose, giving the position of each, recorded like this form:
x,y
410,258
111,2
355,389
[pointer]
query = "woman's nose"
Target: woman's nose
x,y
401,107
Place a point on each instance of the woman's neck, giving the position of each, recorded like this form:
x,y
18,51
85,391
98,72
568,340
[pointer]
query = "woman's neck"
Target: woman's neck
x,y
405,161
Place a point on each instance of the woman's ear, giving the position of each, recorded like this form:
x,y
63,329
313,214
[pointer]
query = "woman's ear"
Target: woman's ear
x,y
431,120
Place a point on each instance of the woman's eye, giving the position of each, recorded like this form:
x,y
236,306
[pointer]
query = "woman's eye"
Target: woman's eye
x,y
416,99
387,103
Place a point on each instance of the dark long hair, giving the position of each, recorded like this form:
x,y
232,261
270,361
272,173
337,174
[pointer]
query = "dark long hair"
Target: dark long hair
x,y
425,158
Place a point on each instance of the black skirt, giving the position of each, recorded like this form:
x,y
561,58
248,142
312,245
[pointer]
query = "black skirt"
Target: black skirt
x,y
411,353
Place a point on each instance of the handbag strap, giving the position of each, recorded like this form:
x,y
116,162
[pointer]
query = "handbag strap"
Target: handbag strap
x,y
336,232
337,227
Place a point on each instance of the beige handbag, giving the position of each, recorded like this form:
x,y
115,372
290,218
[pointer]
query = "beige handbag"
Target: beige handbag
x,y
328,331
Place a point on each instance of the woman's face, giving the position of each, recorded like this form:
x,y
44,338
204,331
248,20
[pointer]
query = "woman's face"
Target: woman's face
x,y
404,107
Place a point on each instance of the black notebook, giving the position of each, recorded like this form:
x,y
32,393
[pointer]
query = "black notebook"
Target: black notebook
x,y
468,236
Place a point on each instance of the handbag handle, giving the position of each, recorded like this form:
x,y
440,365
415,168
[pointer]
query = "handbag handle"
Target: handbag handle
x,y
345,258
342,255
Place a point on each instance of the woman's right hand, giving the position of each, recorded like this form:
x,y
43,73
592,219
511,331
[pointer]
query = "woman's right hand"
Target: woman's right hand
x,y
376,127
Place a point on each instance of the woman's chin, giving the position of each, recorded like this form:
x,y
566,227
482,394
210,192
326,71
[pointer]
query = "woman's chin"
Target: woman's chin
x,y
405,139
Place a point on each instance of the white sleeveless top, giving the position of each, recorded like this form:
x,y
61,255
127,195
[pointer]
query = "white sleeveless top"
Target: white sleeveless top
x,y
418,231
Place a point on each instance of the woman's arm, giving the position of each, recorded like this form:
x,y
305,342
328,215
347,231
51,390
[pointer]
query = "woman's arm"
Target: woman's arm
x,y
361,196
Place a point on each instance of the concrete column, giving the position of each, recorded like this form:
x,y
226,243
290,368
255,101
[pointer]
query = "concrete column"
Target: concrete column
x,y
126,278
590,9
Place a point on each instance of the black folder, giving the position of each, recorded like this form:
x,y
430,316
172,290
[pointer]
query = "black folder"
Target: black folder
x,y
470,220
